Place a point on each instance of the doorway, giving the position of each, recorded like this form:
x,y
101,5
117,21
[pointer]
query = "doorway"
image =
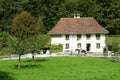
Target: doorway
x,y
88,47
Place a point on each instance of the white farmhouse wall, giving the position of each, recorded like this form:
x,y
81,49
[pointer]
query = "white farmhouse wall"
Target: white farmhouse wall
x,y
60,39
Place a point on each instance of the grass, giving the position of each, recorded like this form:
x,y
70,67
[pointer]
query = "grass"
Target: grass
x,y
113,39
61,68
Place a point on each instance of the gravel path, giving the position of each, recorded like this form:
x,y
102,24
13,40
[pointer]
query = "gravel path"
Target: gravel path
x,y
45,55
30,56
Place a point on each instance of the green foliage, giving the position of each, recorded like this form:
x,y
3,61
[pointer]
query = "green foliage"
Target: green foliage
x,y
113,43
44,41
40,25
33,45
56,48
116,57
110,39
3,40
7,43
115,47
24,25
36,43
109,46
9,8
10,45
104,11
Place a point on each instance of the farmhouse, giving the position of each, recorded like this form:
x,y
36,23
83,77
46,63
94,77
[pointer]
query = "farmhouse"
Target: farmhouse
x,y
79,33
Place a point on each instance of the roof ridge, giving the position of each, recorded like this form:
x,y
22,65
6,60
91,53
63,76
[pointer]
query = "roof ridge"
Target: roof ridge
x,y
77,26
80,18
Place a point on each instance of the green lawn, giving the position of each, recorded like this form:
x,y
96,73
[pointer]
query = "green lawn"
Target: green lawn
x,y
112,39
61,68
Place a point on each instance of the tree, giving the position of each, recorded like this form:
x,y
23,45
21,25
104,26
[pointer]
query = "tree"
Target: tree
x,y
114,47
7,44
33,45
44,41
9,8
36,43
24,26
3,40
56,48
40,24
110,15
106,12
20,49
10,45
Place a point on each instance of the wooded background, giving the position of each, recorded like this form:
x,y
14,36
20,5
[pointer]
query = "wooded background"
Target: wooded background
x,y
48,12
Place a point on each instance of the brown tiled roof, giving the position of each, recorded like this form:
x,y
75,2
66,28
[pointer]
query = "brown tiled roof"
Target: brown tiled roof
x,y
77,26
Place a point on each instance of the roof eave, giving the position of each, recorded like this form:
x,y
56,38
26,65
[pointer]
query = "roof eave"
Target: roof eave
x,y
79,33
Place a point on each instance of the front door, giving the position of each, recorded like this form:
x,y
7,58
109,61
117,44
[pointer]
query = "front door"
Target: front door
x,y
88,47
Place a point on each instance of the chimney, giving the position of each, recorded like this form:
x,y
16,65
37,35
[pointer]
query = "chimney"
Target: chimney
x,y
78,15
75,16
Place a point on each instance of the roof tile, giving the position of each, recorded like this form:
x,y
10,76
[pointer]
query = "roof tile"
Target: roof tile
x,y
77,26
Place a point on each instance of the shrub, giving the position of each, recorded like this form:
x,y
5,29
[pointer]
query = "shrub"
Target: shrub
x,y
44,41
56,48
109,46
116,57
115,48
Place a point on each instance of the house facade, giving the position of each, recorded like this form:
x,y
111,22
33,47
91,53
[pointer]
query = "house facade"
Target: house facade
x,y
79,33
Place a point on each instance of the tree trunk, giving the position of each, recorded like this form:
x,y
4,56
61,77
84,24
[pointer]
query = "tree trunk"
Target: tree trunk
x,y
19,61
33,58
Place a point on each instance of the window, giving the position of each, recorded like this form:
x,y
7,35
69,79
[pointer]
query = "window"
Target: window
x,y
78,37
97,45
67,46
79,45
67,37
97,36
88,36
56,36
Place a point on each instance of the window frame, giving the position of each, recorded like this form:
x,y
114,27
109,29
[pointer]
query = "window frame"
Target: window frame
x,y
98,45
78,45
67,46
88,36
79,36
98,36
67,37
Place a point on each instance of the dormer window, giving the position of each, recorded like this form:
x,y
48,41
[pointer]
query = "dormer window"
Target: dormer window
x,y
78,37
88,36
67,37
97,36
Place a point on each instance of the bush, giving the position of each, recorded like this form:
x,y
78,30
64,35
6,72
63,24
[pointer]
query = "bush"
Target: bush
x,y
115,48
44,41
116,57
109,46
56,48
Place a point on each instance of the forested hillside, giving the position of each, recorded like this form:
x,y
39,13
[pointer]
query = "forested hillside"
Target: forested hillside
x,y
48,12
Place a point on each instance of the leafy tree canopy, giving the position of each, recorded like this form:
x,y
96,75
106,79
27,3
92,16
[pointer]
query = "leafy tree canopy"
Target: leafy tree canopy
x,y
24,25
106,12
